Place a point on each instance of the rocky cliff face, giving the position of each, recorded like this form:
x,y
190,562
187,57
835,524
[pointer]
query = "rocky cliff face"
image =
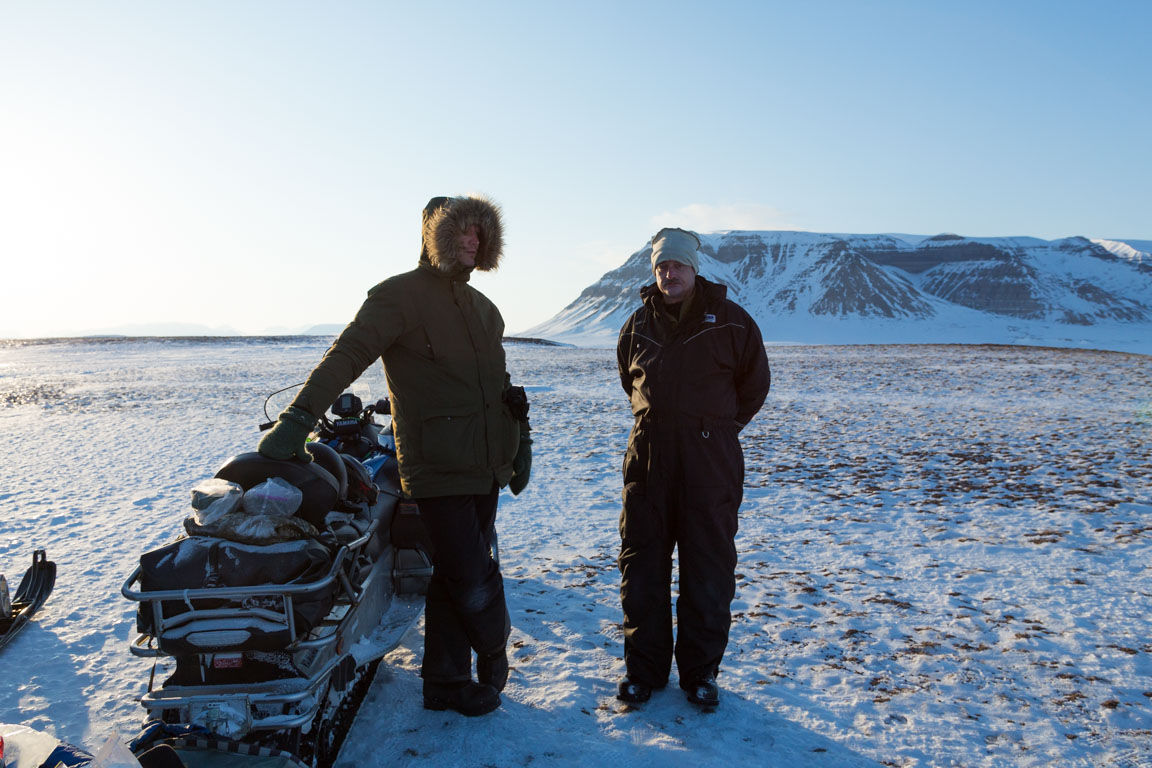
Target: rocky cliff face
x,y
785,278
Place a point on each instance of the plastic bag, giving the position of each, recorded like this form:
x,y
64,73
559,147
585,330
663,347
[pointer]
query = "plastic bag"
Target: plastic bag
x,y
208,492
114,753
275,497
264,514
253,529
214,498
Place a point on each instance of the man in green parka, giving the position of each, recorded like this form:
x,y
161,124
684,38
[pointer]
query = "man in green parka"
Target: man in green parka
x,y
461,435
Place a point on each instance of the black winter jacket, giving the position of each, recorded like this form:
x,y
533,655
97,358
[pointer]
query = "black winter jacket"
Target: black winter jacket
x,y
710,367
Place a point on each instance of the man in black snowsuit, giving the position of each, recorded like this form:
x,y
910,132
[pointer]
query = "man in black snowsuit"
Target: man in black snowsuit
x,y
694,366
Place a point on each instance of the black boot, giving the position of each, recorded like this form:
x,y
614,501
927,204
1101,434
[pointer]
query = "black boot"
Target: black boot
x,y
467,698
632,691
492,669
702,692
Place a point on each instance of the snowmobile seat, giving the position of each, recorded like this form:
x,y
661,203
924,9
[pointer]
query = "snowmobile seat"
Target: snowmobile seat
x,y
360,485
329,459
323,481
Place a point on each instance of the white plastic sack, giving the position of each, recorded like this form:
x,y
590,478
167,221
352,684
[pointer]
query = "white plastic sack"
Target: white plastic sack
x,y
208,492
264,514
214,498
274,497
25,747
114,753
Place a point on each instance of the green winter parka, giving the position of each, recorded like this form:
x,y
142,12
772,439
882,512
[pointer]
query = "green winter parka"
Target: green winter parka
x,y
441,344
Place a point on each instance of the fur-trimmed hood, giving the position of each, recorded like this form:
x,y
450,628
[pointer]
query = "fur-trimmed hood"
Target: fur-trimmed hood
x,y
445,218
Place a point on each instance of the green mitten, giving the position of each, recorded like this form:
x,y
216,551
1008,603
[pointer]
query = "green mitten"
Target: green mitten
x,y
288,437
521,464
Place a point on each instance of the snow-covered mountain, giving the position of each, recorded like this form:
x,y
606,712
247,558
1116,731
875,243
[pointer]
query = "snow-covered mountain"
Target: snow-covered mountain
x,y
850,288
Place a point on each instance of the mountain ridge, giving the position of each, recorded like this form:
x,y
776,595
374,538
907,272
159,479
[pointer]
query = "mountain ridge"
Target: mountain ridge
x,y
840,287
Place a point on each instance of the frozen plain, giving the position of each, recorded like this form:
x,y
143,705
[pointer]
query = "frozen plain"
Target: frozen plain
x,y
944,555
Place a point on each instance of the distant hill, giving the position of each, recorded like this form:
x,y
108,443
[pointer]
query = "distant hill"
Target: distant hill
x,y
195,329
163,329
329,329
810,287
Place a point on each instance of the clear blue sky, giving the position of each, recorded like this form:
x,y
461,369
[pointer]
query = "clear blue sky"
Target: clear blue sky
x,y
262,163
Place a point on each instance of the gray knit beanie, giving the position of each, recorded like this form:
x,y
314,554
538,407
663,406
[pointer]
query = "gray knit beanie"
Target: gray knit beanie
x,y
674,244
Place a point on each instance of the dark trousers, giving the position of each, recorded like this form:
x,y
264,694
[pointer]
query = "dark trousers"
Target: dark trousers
x,y
464,610
682,490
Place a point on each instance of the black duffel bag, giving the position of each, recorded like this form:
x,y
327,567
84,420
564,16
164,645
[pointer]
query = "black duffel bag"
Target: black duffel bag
x,y
200,562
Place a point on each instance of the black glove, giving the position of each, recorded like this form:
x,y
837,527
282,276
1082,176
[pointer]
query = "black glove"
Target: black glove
x,y
288,437
521,462
517,401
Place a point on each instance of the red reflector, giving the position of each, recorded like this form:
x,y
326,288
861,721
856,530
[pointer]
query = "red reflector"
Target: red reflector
x,y
228,661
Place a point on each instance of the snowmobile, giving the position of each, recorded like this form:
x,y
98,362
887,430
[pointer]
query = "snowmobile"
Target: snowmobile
x,y
273,644
33,591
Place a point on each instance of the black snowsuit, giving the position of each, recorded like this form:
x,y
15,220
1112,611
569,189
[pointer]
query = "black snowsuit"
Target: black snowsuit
x,y
693,384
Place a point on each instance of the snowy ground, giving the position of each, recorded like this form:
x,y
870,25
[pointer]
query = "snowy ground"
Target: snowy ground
x,y
944,556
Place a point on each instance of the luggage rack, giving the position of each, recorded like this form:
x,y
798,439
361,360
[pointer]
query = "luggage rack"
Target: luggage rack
x,y
232,710
258,617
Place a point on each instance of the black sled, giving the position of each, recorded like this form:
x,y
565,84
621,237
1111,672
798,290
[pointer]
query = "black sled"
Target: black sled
x,y
33,591
272,647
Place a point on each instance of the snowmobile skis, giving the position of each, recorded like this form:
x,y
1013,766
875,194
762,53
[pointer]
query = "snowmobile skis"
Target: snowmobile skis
x,y
16,610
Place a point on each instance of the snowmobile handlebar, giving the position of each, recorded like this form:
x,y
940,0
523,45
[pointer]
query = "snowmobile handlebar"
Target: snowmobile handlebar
x,y
347,406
